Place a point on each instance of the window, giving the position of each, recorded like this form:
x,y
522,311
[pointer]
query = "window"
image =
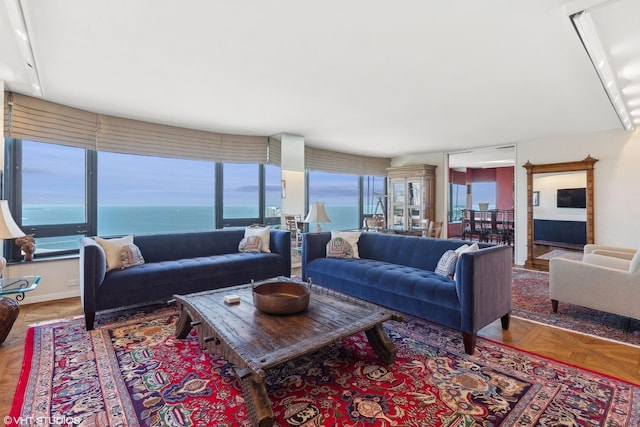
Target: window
x,y
272,194
145,194
53,189
341,197
483,192
457,201
373,194
240,193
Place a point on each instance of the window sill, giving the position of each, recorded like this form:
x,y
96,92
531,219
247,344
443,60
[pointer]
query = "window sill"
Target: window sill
x,y
44,259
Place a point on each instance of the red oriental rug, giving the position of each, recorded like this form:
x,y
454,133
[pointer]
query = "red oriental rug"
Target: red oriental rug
x,y
531,301
132,371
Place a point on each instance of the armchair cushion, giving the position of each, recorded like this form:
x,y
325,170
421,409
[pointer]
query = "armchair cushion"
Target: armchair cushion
x,y
606,261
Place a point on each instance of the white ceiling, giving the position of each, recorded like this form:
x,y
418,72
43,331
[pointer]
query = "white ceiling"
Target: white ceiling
x,y
365,76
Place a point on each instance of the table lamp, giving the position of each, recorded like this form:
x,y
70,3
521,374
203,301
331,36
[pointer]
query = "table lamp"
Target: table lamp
x,y
8,229
317,214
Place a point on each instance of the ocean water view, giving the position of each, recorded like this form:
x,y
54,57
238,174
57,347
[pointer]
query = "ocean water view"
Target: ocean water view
x,y
121,220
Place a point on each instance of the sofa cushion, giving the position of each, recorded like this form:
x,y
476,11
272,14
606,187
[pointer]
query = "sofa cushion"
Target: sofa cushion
x,y
193,274
113,250
363,278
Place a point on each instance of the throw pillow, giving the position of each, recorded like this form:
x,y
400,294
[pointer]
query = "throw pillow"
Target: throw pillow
x,y
130,255
263,233
250,244
339,248
351,237
112,249
447,264
465,248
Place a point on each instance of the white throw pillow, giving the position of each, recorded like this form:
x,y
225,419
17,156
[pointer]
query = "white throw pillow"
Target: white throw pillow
x,y
265,235
113,250
351,237
465,248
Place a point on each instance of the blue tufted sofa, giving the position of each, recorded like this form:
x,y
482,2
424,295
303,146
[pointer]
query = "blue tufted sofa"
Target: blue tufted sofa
x,y
398,272
180,263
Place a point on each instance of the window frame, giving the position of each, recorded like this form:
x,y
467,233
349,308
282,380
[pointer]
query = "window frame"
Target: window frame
x,y
13,191
361,196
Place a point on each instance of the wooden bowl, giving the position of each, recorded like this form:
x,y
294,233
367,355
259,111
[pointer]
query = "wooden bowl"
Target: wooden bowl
x,y
281,297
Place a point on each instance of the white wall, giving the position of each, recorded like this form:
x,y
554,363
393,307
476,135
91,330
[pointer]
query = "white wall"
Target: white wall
x,y
292,166
547,186
60,278
616,178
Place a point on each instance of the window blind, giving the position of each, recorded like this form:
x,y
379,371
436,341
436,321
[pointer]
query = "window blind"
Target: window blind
x,y
244,149
332,161
119,135
38,120
274,153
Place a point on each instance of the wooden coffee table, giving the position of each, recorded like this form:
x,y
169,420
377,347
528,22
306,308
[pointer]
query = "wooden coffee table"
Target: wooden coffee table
x,y
254,341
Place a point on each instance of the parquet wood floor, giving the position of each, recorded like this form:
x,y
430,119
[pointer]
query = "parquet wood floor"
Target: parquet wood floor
x,y
618,360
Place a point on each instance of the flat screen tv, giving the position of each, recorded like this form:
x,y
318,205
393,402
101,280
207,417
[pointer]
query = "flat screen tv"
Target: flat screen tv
x,y
572,197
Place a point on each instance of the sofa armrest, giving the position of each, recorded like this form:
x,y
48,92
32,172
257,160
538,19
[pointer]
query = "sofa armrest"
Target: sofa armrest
x,y
483,284
314,245
93,264
280,243
612,251
596,258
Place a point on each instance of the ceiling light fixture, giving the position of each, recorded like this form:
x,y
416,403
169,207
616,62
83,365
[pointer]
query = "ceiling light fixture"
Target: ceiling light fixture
x,y
16,16
587,31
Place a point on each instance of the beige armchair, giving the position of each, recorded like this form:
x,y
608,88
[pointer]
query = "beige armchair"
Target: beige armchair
x,y
607,279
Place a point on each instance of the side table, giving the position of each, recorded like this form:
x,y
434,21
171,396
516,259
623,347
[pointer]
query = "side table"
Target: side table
x,y
9,308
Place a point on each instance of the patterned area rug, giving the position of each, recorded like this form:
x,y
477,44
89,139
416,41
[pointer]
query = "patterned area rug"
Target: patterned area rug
x,y
133,372
531,301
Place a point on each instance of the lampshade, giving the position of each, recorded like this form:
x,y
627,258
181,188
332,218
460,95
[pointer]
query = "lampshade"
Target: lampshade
x,y
8,227
317,214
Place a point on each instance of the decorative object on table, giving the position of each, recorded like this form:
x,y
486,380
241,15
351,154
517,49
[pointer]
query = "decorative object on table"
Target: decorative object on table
x,y
280,297
317,214
343,383
8,229
27,245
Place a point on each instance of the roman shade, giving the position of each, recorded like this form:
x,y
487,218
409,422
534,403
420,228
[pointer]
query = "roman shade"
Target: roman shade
x,y
274,153
37,120
119,135
332,161
243,149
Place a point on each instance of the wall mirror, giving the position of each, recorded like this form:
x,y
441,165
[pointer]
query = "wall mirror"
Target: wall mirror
x,y
586,165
